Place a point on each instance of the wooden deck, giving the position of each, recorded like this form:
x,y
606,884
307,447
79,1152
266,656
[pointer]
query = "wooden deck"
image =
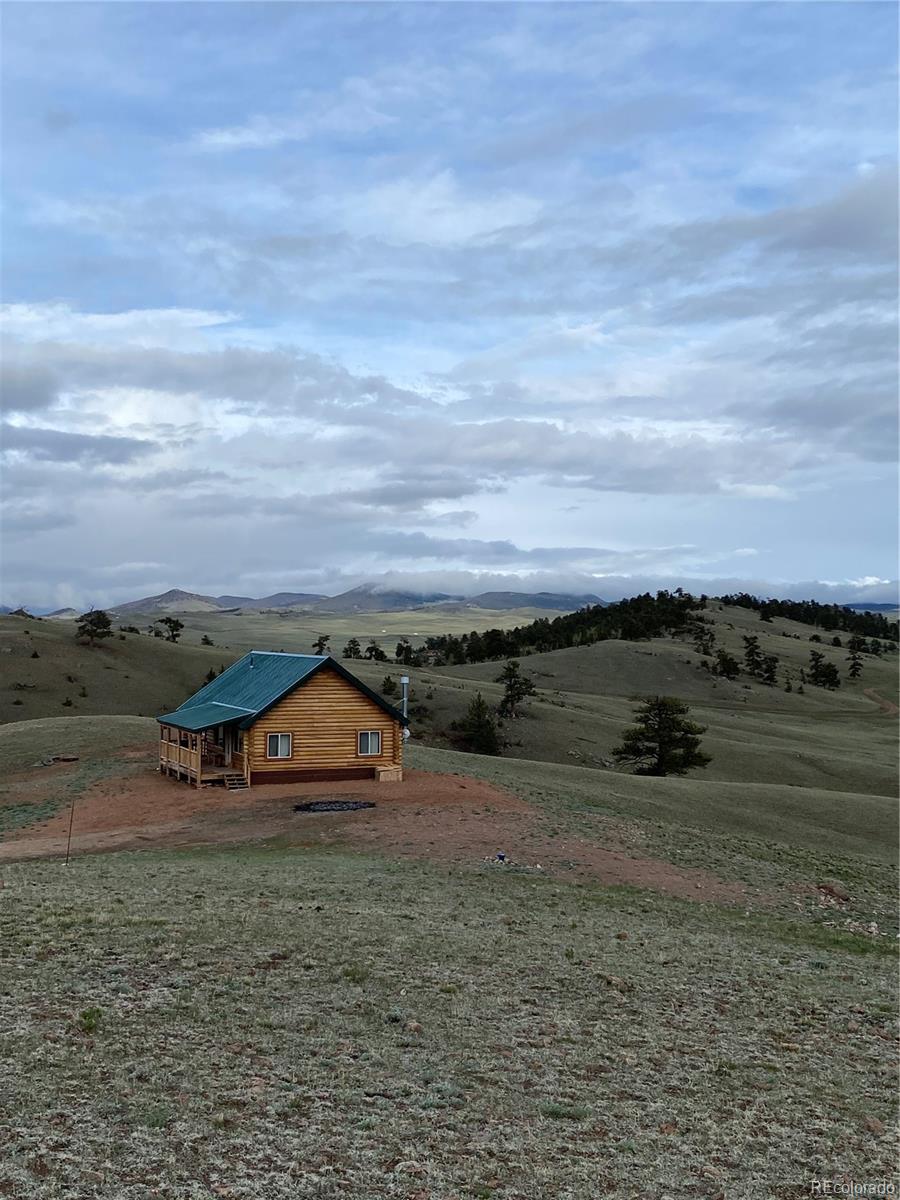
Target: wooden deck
x,y
188,761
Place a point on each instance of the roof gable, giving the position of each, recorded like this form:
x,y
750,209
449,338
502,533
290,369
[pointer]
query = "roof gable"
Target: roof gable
x,y
254,684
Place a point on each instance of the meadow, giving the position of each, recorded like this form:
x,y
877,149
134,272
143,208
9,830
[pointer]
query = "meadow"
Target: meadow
x,y
326,1014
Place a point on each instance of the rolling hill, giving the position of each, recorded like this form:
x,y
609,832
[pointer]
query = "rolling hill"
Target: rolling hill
x,y
367,598
823,740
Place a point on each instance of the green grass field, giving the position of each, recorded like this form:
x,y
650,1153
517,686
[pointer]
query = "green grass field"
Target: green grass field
x,y
279,1020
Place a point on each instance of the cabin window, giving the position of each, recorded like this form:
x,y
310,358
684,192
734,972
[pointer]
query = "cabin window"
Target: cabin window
x,y
370,742
279,745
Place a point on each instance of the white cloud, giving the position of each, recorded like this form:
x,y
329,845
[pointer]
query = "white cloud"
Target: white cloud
x,y
432,210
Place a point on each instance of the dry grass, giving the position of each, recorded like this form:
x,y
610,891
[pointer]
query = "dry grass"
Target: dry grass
x,y
290,1023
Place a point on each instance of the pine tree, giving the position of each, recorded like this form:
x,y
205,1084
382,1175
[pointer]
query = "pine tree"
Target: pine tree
x,y
854,658
816,667
664,741
478,730
518,688
727,665
374,652
352,649
174,627
403,653
389,686
93,626
752,654
830,676
769,673
320,645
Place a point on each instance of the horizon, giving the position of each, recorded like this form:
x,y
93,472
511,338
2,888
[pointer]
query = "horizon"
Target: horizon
x,y
812,592
579,298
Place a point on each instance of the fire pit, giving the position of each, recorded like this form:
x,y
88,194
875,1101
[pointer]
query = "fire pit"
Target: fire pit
x,y
317,806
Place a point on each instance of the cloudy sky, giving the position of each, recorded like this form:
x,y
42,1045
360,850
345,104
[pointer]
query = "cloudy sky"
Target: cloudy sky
x,y
298,296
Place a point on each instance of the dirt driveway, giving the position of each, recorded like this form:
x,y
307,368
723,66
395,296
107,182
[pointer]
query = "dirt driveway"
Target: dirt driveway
x,y
445,818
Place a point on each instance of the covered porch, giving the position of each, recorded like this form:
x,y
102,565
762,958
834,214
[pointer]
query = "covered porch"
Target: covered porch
x,y
205,746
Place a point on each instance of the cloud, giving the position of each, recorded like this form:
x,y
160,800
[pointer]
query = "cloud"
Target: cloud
x,y
433,210
593,131
54,445
26,387
518,288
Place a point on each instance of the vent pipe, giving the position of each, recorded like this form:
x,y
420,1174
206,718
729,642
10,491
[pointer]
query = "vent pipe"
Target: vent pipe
x,y
404,693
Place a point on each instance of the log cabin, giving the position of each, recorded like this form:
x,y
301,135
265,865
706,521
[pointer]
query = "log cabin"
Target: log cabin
x,y
280,718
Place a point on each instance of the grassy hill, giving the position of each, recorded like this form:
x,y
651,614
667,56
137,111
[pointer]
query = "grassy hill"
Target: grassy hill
x,y
298,1018
134,674
829,741
295,1020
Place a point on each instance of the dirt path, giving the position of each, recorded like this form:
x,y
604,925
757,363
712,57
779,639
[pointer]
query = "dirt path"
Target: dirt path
x,y
887,706
444,818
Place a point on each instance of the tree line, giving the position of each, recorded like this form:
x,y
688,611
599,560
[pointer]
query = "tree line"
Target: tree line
x,y
829,617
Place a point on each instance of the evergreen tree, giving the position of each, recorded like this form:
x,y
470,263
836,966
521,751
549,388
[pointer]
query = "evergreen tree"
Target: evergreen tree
x,y
855,660
769,669
857,644
352,649
664,741
478,730
752,654
389,686
830,677
206,640
173,626
518,688
93,626
727,665
374,652
404,652
816,667
210,676
320,645
703,638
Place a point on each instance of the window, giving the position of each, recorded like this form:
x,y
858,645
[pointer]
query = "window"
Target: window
x,y
370,742
278,745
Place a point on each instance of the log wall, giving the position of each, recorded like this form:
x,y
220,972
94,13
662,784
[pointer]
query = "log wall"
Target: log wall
x,y
324,716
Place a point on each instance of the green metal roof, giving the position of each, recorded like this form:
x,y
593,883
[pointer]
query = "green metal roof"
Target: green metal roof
x,y
204,716
252,685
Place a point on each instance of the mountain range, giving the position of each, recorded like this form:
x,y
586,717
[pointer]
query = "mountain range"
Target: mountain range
x,y
362,599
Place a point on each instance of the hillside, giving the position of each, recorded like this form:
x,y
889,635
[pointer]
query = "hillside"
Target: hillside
x,y
367,598
839,741
173,601
287,993
43,666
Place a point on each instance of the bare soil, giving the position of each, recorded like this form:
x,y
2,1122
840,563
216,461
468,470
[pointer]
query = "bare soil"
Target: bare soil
x,y
887,706
440,817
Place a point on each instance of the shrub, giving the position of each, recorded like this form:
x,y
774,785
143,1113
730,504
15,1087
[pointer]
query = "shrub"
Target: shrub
x,y
89,1019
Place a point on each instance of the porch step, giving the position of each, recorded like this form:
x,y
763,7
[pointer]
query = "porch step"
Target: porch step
x,y
235,781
